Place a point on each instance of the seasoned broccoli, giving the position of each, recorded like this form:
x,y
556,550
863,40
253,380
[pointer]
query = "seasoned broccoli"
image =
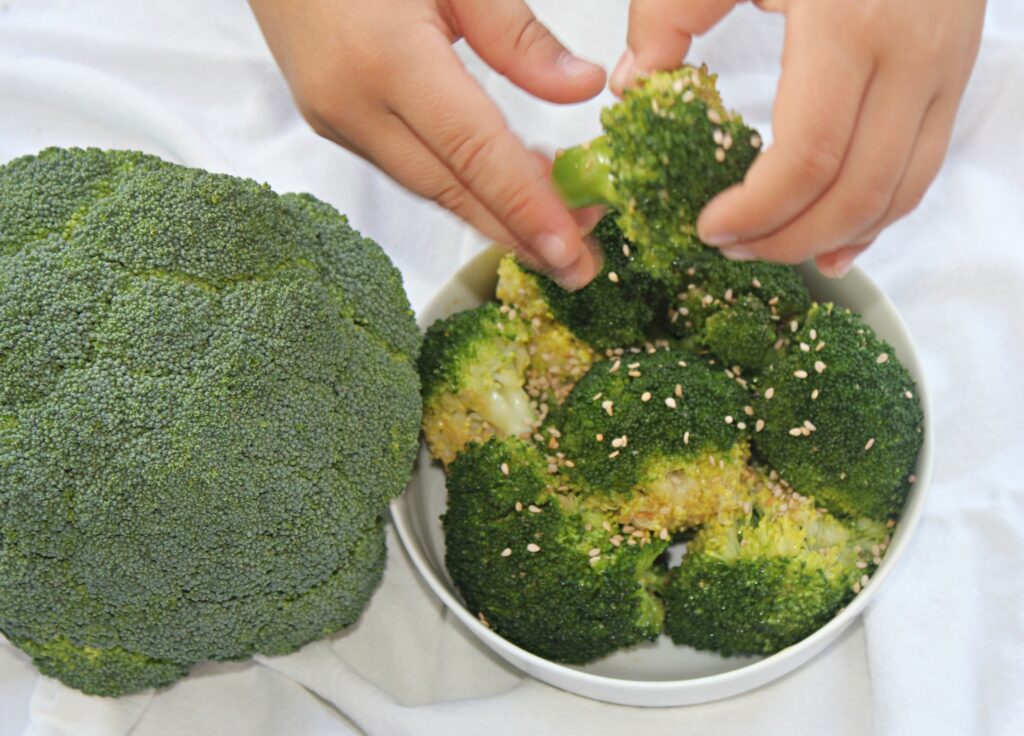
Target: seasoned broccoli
x,y
613,310
208,396
540,567
771,575
842,421
661,434
668,147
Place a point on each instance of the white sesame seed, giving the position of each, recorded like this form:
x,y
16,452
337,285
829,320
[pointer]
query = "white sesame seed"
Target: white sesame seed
x,y
718,136
686,438
682,363
755,141
870,444
519,506
531,547
856,587
805,347
819,347
714,117
810,425
620,441
882,358
625,249
504,468
727,143
800,373
645,396
600,437
909,394
670,403
814,334
793,326
679,390
596,396
770,392
796,431
748,410
615,366
814,395
819,366
759,425
609,407
552,469
688,96
719,155
534,509
613,455
615,540
594,551
755,283
861,565
728,295
728,419
506,552
677,86
663,534
634,374
613,277
606,526
864,580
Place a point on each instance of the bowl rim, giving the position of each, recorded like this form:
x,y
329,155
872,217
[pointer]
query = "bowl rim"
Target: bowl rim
x,y
759,672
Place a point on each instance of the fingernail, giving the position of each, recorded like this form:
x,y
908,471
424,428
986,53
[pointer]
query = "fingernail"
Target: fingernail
x,y
840,265
624,72
574,67
738,253
720,239
553,250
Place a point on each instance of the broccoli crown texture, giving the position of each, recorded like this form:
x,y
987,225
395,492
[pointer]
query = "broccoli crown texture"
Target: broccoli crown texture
x,y
839,378
613,310
768,577
208,395
540,568
741,334
669,147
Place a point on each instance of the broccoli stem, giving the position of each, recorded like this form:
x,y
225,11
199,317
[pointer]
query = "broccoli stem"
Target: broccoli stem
x,y
582,174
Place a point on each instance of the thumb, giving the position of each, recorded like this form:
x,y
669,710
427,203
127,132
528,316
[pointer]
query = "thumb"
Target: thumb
x,y
513,42
660,32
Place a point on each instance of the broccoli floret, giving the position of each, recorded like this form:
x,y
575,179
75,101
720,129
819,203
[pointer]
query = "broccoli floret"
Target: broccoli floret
x,y
662,434
842,421
668,147
208,396
473,368
770,576
613,310
741,333
537,565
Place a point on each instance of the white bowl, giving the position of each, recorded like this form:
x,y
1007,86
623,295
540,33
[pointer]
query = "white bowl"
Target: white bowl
x,y
661,673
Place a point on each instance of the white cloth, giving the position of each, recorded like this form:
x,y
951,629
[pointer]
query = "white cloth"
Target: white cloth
x,y
941,648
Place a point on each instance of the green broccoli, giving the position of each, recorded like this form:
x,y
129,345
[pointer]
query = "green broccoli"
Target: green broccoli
x,y
770,576
208,396
487,371
842,421
661,434
611,311
537,565
668,147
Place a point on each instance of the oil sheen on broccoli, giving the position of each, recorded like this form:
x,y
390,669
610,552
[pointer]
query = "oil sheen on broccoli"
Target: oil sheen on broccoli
x,y
208,396
668,147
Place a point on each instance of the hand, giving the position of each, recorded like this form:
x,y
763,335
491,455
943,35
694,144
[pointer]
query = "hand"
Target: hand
x,y
380,78
862,118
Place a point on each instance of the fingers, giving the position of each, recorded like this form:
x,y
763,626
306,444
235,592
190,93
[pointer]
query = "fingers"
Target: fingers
x,y
836,264
818,102
660,32
513,42
448,113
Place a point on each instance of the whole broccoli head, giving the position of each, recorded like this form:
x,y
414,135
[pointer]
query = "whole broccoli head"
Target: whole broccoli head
x,y
668,147
208,395
842,421
540,567
769,576
613,310
661,434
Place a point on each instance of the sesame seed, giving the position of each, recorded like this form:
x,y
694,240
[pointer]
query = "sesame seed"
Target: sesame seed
x,y
682,363
613,455
759,425
819,366
773,301
755,283
755,141
663,534
613,277
506,552
519,506
600,437
882,358
814,395
504,468
677,86
620,441
714,117
819,347
870,444
800,373
770,392
856,587
809,425
805,347
718,136
909,394
531,547
596,396
625,250
686,438
728,419
594,551
719,155
534,509
608,406
728,295
688,96
814,334
645,396
615,540
552,469
796,431
670,403
634,374
727,143
511,314
861,565
606,526
864,580
679,390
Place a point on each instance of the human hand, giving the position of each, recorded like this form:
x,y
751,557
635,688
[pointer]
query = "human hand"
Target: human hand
x,y
862,118
380,78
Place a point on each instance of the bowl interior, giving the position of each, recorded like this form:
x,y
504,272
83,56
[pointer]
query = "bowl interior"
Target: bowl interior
x,y
659,673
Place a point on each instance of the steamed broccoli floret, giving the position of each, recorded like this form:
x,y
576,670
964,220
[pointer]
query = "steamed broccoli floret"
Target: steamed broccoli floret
x,y
842,421
473,367
669,147
539,567
611,311
208,396
662,435
770,576
741,334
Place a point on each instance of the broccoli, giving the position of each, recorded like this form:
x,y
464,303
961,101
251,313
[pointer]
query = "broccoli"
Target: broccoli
x,y
539,566
662,434
208,396
771,575
842,421
487,371
613,310
668,147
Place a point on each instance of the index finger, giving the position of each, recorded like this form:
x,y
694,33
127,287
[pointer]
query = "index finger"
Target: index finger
x,y
449,112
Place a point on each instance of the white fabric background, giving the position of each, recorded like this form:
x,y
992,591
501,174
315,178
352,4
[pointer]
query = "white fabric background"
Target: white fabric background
x,y
940,650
